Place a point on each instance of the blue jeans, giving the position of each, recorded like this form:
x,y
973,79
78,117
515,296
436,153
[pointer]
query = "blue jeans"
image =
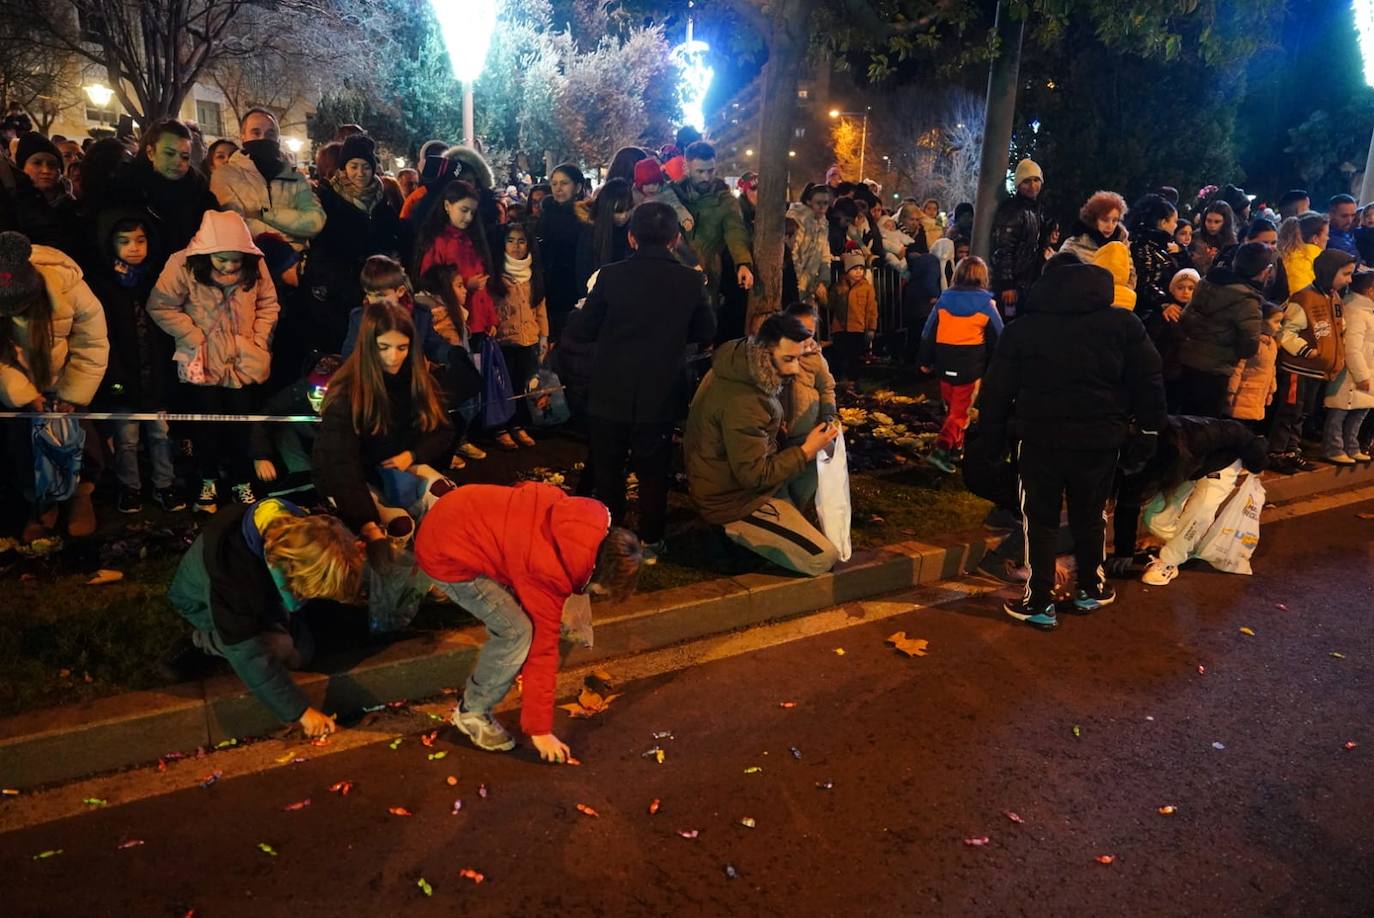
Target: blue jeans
x,y
1342,434
126,453
509,632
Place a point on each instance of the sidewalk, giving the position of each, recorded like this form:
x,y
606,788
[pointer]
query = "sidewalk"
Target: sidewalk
x,y
56,744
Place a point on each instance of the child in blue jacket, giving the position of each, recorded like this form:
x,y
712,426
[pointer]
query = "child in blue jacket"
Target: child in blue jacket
x,y
959,335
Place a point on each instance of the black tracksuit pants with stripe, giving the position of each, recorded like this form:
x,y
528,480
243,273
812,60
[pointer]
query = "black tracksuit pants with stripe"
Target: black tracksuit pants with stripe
x,y
1050,476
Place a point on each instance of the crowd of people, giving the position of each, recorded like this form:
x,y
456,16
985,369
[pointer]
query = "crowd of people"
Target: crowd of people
x,y
408,324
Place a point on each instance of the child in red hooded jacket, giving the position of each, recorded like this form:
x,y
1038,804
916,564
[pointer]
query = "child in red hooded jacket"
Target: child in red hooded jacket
x,y
513,557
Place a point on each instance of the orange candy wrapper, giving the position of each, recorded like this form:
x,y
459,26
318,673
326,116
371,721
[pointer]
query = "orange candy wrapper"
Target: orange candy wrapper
x,y
586,810
470,874
399,811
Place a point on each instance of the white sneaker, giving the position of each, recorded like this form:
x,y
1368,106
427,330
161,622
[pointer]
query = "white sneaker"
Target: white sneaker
x,y
243,493
207,502
483,729
1159,573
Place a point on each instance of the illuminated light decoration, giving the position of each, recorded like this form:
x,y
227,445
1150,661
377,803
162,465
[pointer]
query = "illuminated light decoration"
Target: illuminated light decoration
x,y
695,76
400,162
99,94
1035,126
294,144
466,27
1364,24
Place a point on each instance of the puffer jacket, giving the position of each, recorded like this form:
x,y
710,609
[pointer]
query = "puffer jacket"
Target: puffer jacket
x,y
1221,326
808,399
960,334
1359,356
233,324
1252,385
522,323
810,251
719,225
730,442
1016,254
286,205
1155,267
532,539
80,344
1299,266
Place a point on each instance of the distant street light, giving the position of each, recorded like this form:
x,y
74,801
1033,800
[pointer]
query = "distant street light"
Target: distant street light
x,y
863,138
749,152
99,94
294,144
466,27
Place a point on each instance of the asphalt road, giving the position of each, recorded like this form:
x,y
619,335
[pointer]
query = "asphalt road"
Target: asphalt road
x,y
1084,734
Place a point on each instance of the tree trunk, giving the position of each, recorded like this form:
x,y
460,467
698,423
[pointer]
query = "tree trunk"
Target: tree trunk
x,y
1003,78
786,49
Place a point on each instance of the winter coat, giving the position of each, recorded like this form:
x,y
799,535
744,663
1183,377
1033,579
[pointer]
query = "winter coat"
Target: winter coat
x,y
287,205
233,325
1084,241
532,539
1344,242
855,307
1298,266
80,344
810,251
808,399
1310,337
718,226
961,332
139,373
1252,385
1116,258
435,348
346,461
558,231
1358,312
1221,326
521,323
224,587
1016,250
177,207
454,248
574,360
1072,371
730,442
51,222
351,234
643,313
1155,266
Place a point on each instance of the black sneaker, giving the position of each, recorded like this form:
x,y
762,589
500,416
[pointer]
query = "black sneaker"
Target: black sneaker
x,y
169,499
1086,602
1299,464
1033,612
183,661
130,500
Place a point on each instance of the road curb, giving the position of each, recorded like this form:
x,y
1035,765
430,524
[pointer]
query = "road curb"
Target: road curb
x,y
58,744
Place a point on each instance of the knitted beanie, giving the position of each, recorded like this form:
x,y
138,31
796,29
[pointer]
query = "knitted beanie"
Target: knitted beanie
x,y
648,172
34,143
1028,168
854,258
19,280
358,146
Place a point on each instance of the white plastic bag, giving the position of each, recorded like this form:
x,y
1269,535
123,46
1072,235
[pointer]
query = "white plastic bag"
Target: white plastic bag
x,y
1228,545
577,619
832,497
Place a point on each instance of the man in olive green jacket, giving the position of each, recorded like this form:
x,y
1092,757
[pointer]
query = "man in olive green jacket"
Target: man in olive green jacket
x,y
735,471
717,223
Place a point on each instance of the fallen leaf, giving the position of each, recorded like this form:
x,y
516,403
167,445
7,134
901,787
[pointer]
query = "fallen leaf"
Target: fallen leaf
x,y
1106,858
586,810
103,576
425,887
912,647
1248,631
589,704
977,841
602,675
470,874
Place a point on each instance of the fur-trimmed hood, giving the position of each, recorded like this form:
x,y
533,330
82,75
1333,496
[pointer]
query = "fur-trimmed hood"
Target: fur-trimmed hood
x,y
745,361
467,157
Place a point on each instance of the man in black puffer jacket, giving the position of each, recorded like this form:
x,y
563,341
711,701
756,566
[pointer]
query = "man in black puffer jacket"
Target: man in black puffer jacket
x,y
1069,379
1017,227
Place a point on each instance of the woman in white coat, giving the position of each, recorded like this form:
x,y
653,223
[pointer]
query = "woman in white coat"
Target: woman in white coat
x,y
1350,395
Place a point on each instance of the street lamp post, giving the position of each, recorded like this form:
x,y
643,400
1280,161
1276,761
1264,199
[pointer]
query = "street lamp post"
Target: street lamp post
x,y
466,27
863,135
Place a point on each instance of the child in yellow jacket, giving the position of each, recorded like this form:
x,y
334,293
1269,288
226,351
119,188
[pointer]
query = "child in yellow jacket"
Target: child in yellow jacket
x,y
855,316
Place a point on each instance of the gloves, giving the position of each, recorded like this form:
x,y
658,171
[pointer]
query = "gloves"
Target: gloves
x,y
1138,452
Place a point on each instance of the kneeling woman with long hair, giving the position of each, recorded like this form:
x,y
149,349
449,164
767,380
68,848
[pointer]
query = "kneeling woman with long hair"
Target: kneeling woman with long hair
x,y
383,428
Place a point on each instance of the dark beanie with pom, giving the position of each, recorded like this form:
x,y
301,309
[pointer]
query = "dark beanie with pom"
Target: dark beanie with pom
x,y
20,282
358,146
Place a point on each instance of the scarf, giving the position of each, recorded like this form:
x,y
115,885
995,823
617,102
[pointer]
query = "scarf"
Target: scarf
x,y
266,155
364,201
519,270
129,276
